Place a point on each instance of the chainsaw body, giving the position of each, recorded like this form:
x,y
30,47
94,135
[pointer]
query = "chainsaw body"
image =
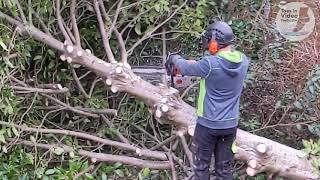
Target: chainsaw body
x,y
156,75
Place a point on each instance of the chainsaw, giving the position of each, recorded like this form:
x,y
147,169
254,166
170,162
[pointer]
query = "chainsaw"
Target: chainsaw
x,y
159,74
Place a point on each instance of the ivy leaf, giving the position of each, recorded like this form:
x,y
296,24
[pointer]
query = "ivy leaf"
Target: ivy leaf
x,y
15,131
117,165
146,172
137,28
119,172
3,45
157,7
9,132
37,57
9,109
278,104
58,150
4,149
298,105
2,139
104,176
90,176
50,171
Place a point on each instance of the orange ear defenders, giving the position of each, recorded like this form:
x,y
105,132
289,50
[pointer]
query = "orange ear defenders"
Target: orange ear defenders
x,y
213,47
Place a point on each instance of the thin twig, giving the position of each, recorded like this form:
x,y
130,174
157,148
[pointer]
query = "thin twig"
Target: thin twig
x,y
70,107
60,22
39,90
173,169
30,12
116,131
75,29
123,51
78,175
105,39
23,16
114,19
185,92
186,149
166,141
112,112
149,33
75,77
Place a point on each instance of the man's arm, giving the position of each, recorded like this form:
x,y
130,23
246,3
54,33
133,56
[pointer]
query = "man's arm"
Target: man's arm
x,y
199,68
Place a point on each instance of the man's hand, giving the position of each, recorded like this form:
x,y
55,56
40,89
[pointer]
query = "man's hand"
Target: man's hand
x,y
170,63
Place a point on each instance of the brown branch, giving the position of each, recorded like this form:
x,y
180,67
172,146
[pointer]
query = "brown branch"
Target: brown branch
x,y
93,85
70,107
124,55
149,33
60,22
114,19
42,24
23,17
75,77
112,112
186,148
185,92
173,169
39,90
69,31
101,157
118,134
104,36
164,54
124,146
75,29
163,143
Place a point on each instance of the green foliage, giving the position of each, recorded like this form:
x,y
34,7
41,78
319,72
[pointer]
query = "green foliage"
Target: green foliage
x,y
251,124
312,148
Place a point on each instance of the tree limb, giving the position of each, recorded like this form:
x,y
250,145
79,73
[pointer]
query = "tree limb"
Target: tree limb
x,y
104,36
23,16
100,157
124,146
73,13
39,90
60,22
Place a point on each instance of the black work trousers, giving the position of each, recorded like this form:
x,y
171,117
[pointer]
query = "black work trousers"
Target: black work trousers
x,y
219,142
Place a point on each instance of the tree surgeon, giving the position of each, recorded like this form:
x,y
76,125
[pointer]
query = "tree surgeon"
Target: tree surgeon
x,y
222,76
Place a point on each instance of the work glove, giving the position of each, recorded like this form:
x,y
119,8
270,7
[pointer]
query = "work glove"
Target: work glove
x,y
170,63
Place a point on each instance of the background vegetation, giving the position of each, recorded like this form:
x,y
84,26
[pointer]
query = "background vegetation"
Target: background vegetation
x,y
280,101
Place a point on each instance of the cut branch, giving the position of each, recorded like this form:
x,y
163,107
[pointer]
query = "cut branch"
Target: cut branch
x,y
100,157
142,152
39,90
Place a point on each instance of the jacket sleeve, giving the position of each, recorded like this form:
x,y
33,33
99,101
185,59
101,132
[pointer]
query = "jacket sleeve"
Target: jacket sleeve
x,y
201,68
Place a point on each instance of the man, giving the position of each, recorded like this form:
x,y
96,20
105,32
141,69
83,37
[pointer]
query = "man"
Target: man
x,y
222,76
